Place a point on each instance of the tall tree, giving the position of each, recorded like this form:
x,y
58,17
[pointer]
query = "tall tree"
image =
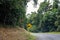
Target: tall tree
x,y
56,6
12,12
43,8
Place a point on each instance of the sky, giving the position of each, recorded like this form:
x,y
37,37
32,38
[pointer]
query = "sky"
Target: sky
x,y
31,8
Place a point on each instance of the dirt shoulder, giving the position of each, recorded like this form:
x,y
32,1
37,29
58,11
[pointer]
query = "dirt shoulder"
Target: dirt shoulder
x,y
13,34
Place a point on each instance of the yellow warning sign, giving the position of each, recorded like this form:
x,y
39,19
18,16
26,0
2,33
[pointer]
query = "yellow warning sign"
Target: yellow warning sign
x,y
29,25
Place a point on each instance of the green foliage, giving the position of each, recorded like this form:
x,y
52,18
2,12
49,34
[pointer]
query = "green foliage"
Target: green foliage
x,y
43,6
32,18
47,19
55,3
50,20
12,12
33,29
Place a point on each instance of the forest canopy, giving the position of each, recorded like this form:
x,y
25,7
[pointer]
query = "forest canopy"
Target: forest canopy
x,y
47,18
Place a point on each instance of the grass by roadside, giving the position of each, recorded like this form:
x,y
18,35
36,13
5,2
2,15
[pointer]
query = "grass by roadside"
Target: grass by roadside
x,y
31,37
53,32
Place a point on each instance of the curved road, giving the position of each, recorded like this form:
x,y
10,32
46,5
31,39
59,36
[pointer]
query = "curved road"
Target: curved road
x,y
45,36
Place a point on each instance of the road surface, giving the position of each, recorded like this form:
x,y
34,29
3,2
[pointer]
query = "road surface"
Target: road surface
x,y
45,36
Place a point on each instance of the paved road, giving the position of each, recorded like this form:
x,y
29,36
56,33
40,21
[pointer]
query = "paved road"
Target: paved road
x,y
45,36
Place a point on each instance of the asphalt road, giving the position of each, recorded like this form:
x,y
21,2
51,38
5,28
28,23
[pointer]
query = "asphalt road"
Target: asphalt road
x,y
45,36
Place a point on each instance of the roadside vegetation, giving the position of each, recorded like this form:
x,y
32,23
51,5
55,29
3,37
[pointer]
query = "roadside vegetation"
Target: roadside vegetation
x,y
47,18
53,32
31,37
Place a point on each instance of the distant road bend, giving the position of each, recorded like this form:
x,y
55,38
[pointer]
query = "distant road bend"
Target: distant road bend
x,y
45,36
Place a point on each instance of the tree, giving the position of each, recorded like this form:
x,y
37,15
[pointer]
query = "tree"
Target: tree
x,y
47,18
12,12
43,8
56,6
